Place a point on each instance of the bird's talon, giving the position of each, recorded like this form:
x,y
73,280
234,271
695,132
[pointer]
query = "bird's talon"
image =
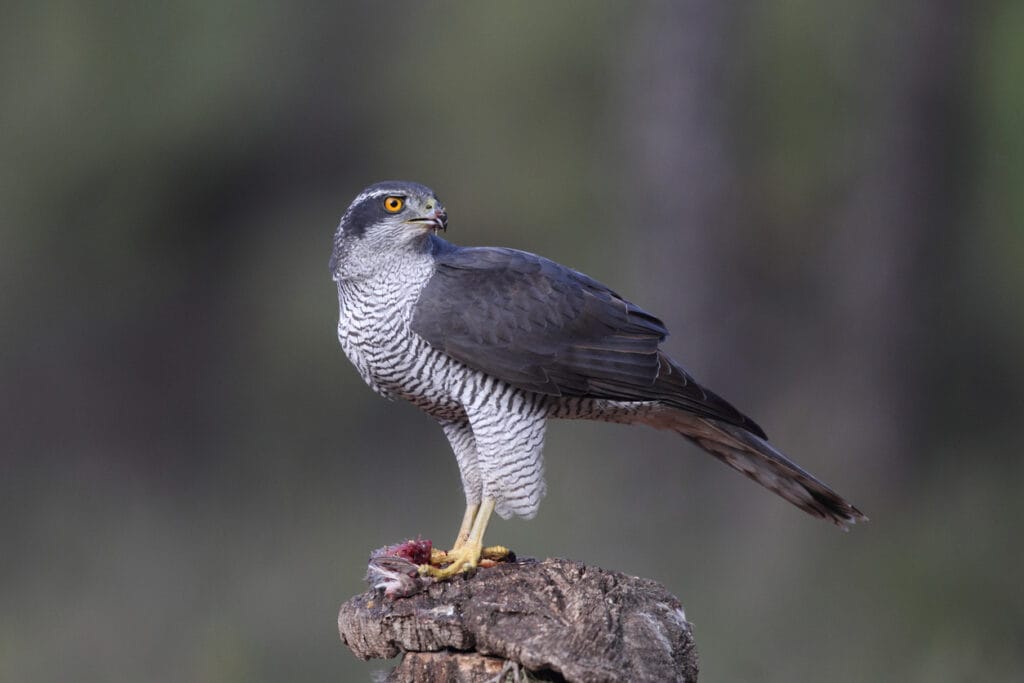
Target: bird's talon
x,y
498,553
456,562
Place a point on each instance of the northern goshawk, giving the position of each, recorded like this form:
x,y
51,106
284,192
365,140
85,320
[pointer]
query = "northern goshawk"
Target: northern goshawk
x,y
494,342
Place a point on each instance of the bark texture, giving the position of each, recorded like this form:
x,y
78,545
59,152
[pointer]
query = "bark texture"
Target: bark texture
x,y
556,619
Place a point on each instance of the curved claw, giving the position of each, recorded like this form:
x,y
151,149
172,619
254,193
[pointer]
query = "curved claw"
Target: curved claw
x,y
465,556
497,553
461,560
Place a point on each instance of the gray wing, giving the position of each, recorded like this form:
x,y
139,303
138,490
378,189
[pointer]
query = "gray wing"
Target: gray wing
x,y
546,328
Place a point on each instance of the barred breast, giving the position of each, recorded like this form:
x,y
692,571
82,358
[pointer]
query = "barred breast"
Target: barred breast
x,y
374,332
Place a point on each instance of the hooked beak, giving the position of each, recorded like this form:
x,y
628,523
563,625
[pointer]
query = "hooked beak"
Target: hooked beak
x,y
438,220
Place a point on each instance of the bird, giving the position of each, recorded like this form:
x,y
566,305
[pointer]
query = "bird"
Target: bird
x,y
493,342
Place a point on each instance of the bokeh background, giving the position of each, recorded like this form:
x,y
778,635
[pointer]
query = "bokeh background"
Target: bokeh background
x,y
823,200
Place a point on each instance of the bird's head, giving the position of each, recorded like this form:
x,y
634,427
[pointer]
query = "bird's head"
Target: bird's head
x,y
386,217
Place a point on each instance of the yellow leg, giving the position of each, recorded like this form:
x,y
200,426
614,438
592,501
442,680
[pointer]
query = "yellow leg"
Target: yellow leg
x,y
438,556
467,556
467,526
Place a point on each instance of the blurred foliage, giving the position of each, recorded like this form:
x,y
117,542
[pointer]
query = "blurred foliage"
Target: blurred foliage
x,y
193,475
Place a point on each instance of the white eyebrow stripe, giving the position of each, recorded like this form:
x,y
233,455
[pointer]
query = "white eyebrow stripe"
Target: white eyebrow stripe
x,y
375,193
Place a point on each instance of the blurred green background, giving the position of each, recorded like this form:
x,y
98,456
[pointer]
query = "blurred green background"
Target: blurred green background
x,y
823,200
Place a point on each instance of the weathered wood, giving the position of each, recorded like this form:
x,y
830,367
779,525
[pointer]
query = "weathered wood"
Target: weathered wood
x,y
557,619
450,667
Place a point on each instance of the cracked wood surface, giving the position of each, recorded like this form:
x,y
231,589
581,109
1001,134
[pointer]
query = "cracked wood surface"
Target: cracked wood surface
x,y
557,619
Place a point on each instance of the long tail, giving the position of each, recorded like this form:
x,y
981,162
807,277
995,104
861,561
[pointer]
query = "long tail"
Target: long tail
x,y
762,462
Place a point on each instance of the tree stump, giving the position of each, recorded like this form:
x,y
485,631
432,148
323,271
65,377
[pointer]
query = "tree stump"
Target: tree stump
x,y
558,620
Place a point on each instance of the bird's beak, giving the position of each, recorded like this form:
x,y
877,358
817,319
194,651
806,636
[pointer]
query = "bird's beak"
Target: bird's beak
x,y
437,220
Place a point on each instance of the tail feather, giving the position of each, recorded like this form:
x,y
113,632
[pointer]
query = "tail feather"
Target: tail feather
x,y
762,462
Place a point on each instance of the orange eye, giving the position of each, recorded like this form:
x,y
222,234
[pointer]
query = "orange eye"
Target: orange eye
x,y
393,204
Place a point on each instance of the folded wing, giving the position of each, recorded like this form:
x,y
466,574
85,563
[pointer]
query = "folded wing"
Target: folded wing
x,y
546,328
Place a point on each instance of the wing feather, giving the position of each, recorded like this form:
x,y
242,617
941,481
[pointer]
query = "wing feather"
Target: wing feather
x,y
543,327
